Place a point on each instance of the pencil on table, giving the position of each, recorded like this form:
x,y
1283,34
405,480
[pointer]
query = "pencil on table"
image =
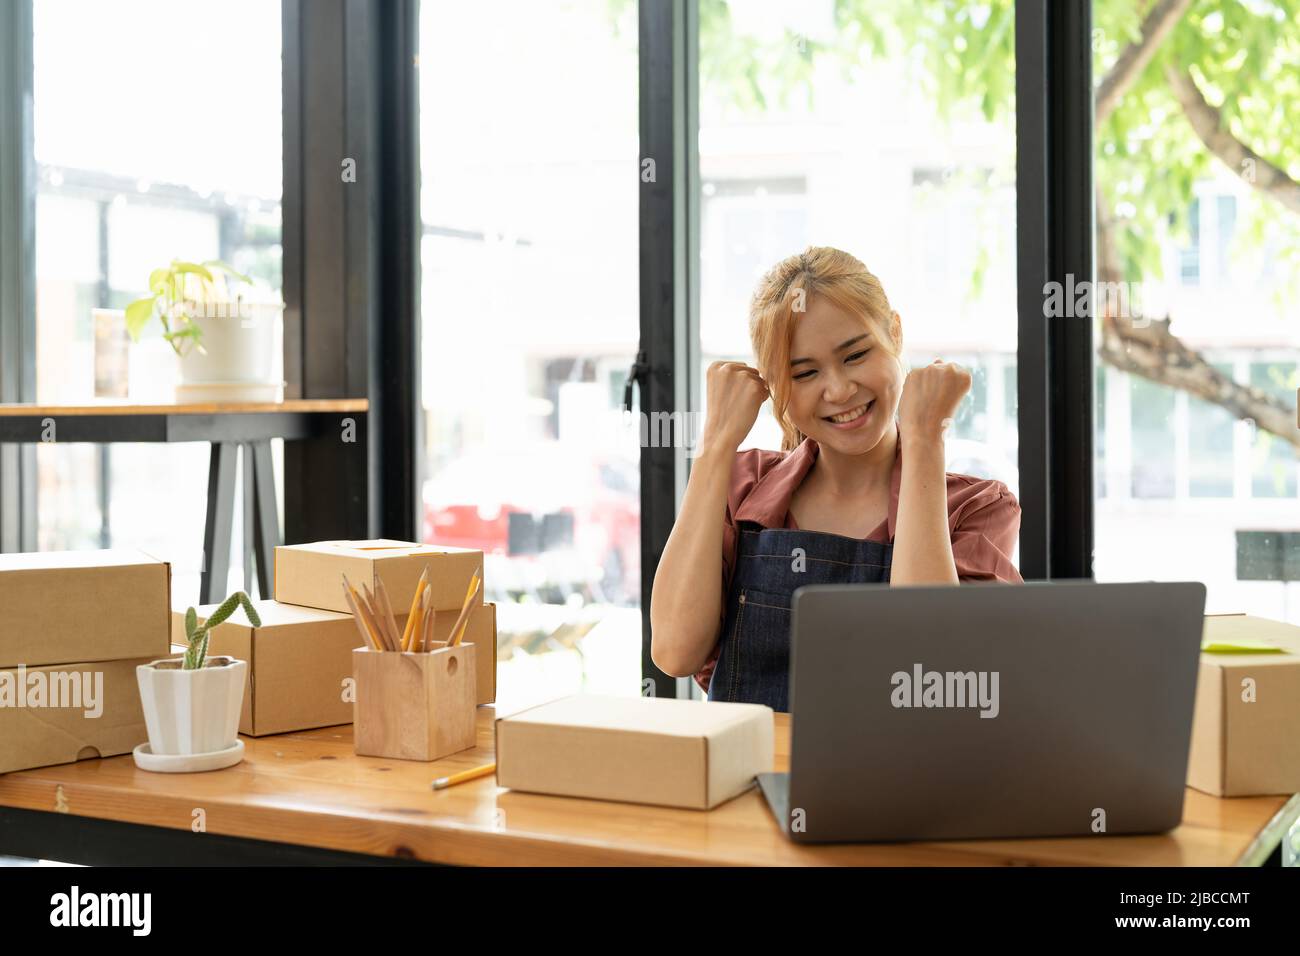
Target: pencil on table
x,y
443,782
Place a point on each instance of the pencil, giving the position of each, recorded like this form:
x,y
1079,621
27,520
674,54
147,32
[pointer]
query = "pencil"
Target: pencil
x,y
408,635
369,638
430,622
458,629
372,617
442,783
421,637
355,599
377,613
386,609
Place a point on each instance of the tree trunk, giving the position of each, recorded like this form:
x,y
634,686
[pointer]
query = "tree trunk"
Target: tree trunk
x,y
1158,355
1152,351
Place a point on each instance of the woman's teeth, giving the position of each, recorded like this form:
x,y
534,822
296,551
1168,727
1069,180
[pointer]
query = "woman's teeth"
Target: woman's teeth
x,y
849,415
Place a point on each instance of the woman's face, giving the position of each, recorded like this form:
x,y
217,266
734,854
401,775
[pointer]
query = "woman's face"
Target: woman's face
x,y
845,385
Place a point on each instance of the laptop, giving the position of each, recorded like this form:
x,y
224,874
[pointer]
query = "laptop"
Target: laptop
x,y
988,710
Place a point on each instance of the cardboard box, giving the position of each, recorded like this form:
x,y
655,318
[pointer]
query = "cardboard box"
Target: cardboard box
x,y
1246,729
298,663
68,712
63,607
310,574
481,631
676,753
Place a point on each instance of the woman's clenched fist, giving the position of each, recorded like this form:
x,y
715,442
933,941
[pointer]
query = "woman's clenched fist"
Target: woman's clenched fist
x,y
931,394
736,392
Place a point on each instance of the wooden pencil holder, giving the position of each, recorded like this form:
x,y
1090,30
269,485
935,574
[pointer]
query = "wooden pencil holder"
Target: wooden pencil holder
x,y
414,706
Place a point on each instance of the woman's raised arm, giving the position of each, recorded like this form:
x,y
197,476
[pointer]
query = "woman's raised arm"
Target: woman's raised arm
x,y
922,541
686,597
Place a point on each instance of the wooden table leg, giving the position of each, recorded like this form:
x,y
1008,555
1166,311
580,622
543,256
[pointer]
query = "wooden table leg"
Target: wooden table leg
x,y
221,515
266,531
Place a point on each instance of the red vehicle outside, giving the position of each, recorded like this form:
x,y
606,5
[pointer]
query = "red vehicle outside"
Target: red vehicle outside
x,y
550,520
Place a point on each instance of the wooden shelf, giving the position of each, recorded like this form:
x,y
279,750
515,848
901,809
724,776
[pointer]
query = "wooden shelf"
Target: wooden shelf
x,y
201,408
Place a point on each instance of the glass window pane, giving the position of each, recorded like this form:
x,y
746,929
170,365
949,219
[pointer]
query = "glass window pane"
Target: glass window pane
x,y
1194,450
1210,436
157,129
530,323
1273,474
1152,432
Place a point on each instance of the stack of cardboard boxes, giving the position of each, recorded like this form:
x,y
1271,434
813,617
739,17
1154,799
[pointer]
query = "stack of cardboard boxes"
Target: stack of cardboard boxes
x,y
300,659
73,628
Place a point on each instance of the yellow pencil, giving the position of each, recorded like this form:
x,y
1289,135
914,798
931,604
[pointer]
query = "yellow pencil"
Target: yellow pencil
x,y
429,626
462,622
385,608
372,618
443,782
409,632
376,609
356,619
421,637
362,624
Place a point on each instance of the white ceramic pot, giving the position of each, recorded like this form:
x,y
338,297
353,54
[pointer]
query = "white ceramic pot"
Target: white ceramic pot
x,y
239,344
192,712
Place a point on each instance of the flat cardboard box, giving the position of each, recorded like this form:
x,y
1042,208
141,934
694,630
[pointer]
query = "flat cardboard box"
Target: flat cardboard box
x,y
311,574
64,607
1246,728
481,631
299,664
98,712
676,753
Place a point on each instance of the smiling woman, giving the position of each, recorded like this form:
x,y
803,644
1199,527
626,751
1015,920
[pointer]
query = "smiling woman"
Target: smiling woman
x,y
862,467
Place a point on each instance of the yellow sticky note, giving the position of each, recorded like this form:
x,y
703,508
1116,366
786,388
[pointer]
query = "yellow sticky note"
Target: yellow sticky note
x,y
1241,646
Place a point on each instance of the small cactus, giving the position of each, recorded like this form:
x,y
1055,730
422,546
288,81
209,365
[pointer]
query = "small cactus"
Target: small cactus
x,y
196,653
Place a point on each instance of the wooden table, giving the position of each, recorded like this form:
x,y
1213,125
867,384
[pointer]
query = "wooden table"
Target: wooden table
x,y
305,797
229,426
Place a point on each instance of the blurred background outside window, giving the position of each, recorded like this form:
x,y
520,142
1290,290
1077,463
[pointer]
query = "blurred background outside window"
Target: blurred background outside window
x,y
157,137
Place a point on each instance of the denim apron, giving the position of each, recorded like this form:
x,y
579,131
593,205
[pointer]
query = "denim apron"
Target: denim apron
x,y
754,659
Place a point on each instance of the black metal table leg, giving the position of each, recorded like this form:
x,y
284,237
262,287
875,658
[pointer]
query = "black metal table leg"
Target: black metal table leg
x,y
248,498
103,460
266,532
221,515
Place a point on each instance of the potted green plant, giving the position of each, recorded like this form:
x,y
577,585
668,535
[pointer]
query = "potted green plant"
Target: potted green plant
x,y
223,336
192,703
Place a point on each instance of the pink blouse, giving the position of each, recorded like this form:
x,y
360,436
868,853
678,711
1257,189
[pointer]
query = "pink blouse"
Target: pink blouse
x,y
983,518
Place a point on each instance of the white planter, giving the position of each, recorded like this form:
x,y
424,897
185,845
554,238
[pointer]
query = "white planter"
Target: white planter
x,y
192,712
237,348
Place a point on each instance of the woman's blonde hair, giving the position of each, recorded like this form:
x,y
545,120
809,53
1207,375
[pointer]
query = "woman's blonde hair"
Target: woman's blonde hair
x,y
784,292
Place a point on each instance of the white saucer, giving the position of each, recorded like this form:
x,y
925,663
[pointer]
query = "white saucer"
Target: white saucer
x,y
146,759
